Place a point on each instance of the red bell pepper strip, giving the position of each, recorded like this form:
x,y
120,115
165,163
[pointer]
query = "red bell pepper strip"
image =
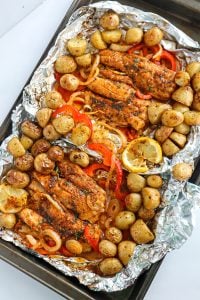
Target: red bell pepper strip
x,y
63,250
142,96
65,93
135,48
92,235
106,153
90,170
169,57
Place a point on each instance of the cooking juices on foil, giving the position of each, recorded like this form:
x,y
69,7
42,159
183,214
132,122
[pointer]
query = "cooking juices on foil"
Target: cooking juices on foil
x,y
173,222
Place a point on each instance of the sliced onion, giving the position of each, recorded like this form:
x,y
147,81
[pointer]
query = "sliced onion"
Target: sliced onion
x,y
54,236
34,243
158,53
120,48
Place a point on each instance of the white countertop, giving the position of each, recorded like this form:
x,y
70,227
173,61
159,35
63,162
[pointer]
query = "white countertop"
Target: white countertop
x,y
20,50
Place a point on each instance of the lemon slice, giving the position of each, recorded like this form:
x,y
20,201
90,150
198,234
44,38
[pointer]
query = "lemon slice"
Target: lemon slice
x,y
139,152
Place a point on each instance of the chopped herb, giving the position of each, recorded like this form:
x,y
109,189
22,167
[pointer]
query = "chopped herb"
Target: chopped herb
x,y
78,234
136,60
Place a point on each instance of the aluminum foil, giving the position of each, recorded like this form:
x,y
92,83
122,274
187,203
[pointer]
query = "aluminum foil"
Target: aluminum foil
x,y
174,220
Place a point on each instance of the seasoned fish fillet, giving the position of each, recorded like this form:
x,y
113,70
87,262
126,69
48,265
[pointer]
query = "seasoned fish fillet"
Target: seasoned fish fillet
x,y
111,74
146,76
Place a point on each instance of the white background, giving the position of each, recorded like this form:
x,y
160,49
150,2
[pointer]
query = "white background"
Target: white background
x,y
20,49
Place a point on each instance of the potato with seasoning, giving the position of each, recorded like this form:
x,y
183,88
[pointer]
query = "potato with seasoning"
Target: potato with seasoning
x,y
54,100
26,142
65,64
182,78
50,133
24,162
80,134
31,130
153,36
111,36
146,214
134,35
74,246
182,171
109,20
135,182
40,146
133,202
169,148
155,111
182,128
110,266
178,138
107,248
124,219
141,233
154,181
114,235
184,95
55,153
180,107
15,147
196,101
172,118
125,251
43,164
162,133
193,68
196,82
7,221
151,197
97,40
63,124
192,118
69,82
77,46
80,158
43,116
84,60
17,179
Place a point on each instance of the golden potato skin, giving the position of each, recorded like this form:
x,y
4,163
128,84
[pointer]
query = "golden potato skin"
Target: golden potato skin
x,y
180,107
40,146
196,101
65,64
124,219
193,68
109,20
196,82
69,82
154,181
179,139
155,111
182,78
192,118
77,46
31,130
84,60
169,148
97,40
146,214
135,182
15,147
43,116
54,100
184,95
140,232
162,133
107,248
74,246
43,164
110,266
17,179
151,197
182,171
80,158
134,35
133,202
125,251
26,142
111,36
80,134
55,153
182,128
114,235
50,133
63,124
7,220
24,162
153,36
172,118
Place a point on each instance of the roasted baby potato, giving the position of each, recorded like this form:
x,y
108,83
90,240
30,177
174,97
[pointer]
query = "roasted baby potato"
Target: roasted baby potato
x,y
153,36
111,36
155,111
84,60
97,40
26,142
124,219
63,124
192,118
140,232
80,134
7,220
134,35
74,247
196,82
80,158
110,266
77,46
196,101
182,128
172,118
125,251
182,171
184,95
55,153
135,182
178,138
17,179
43,164
180,107
107,248
31,130
133,202
193,68
182,78
40,146
43,116
50,133
109,20
162,133
151,197
169,148
24,162
69,82
154,181
146,214
54,100
114,235
65,64
15,147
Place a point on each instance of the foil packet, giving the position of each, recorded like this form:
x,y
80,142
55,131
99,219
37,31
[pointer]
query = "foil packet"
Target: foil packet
x,y
174,221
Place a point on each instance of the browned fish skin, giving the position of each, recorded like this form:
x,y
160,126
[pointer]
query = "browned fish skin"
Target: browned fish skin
x,y
146,76
110,74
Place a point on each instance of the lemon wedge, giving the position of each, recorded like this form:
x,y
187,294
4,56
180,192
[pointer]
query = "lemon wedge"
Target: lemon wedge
x,y
139,152
12,200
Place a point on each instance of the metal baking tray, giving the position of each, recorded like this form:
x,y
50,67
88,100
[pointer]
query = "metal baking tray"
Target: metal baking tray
x,y
186,17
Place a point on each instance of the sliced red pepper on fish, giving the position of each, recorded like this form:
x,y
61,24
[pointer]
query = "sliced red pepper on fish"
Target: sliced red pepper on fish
x,y
136,48
92,235
169,57
140,95
90,170
103,150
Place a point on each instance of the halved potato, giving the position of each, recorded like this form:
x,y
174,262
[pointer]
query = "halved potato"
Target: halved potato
x,y
155,111
84,60
111,36
178,138
77,46
193,68
169,148
192,118
182,78
109,20
183,95
172,118
163,133
196,101
196,82
97,40
182,128
15,147
180,107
